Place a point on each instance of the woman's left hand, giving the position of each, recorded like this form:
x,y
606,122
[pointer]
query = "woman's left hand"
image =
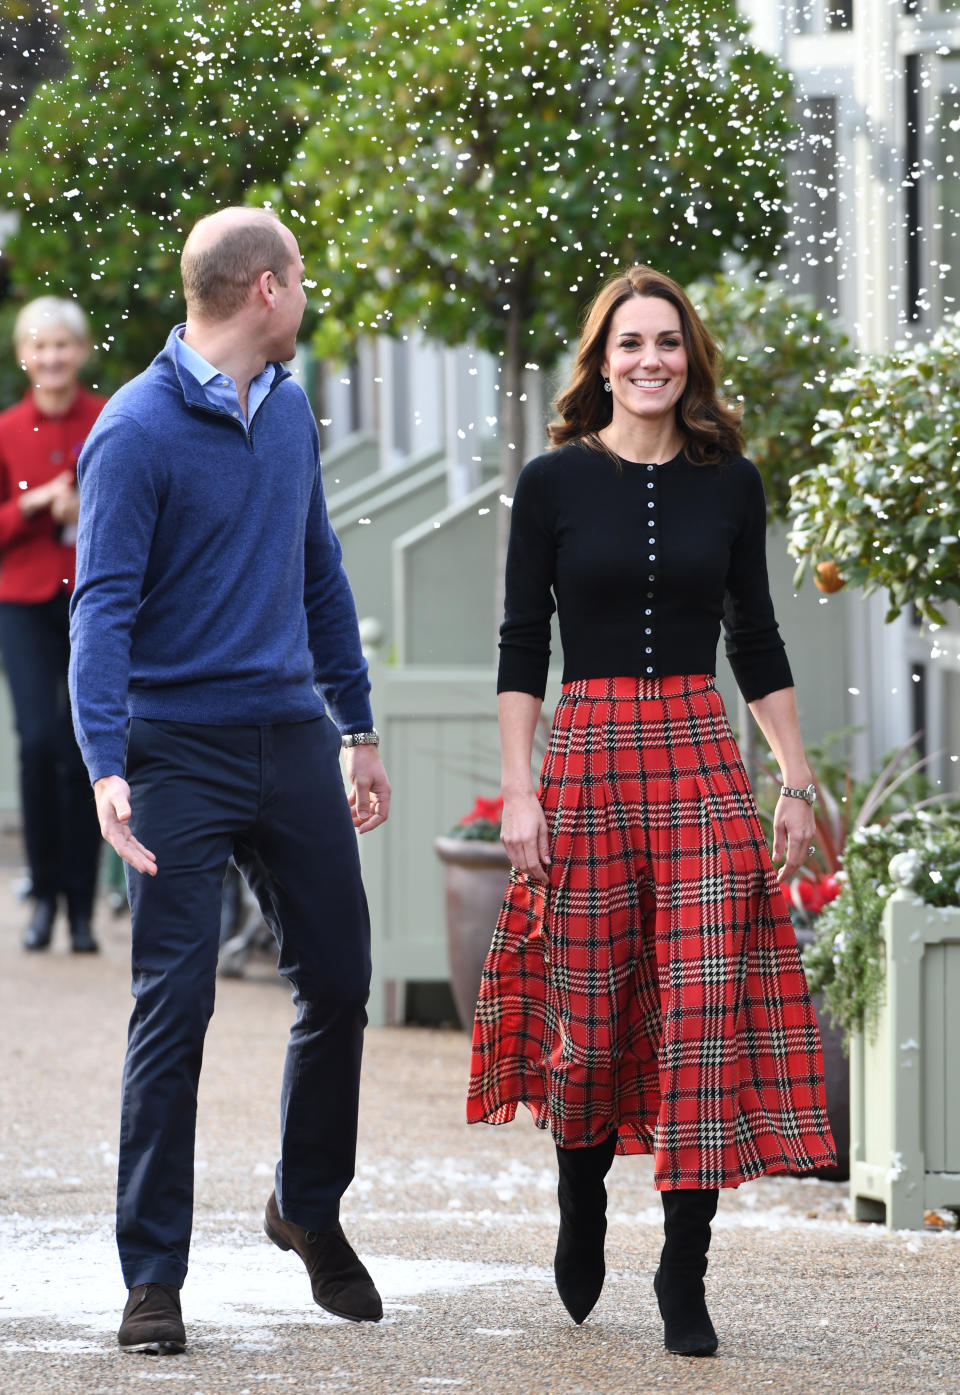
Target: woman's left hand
x,y
794,828
65,507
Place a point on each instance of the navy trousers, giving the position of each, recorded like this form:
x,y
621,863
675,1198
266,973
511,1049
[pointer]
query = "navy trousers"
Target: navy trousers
x,y
61,830
273,798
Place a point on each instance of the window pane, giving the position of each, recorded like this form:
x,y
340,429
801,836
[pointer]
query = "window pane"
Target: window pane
x,y
946,212
839,14
813,238
803,16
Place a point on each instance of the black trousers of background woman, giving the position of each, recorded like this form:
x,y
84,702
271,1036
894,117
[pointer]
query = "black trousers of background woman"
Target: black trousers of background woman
x,y
60,827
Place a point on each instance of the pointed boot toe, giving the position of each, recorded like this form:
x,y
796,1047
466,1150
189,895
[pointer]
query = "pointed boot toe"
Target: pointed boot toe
x,y
578,1265
579,1281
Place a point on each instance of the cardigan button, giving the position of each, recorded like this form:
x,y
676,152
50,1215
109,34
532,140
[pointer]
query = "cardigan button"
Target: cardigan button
x,y
648,611
651,577
648,631
649,650
650,668
653,558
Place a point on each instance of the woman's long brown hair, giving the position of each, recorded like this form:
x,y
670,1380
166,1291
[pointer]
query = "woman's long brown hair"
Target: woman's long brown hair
x,y
710,426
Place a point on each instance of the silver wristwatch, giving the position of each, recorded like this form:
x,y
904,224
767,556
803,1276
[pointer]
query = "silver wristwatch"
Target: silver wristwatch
x,y
809,794
360,738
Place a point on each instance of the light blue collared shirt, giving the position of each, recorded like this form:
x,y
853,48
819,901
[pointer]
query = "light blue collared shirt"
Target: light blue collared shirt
x,y
219,389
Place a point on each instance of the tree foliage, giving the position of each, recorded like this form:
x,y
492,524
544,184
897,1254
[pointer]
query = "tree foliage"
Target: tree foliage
x,y
886,505
168,110
781,355
484,164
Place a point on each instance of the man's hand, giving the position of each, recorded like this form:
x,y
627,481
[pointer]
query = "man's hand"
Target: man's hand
x,y
113,809
369,795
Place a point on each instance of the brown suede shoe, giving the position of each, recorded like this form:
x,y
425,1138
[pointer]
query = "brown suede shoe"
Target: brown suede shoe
x,y
152,1322
340,1283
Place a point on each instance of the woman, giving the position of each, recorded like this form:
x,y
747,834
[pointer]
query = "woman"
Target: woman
x,y
643,992
40,441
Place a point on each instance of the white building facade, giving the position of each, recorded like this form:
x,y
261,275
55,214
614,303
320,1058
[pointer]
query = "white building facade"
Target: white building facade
x,y
875,238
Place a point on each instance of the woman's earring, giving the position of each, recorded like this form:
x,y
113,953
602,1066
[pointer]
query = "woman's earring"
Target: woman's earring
x,y
606,385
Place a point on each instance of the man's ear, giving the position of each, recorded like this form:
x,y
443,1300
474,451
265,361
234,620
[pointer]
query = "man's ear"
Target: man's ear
x,y
264,287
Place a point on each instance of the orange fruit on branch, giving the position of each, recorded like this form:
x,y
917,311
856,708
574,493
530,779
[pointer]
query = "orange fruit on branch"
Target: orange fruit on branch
x,y
826,577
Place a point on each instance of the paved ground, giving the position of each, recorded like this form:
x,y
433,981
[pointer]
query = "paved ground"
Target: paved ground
x,y
457,1225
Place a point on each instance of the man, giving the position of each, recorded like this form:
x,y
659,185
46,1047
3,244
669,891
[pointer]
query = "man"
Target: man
x,y
213,628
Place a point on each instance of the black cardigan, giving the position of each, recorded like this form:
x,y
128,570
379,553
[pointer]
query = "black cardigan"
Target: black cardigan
x,y
642,563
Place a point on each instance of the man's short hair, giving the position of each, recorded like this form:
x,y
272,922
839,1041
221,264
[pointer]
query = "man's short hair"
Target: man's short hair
x,y
50,312
218,277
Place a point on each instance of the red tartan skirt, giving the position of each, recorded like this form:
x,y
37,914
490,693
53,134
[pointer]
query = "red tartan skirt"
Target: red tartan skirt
x,y
654,985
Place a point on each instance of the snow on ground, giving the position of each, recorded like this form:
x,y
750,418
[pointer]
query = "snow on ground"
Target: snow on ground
x,y
68,1273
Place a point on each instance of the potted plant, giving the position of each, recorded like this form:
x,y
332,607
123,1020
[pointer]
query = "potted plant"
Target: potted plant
x,y
844,806
918,851
476,869
886,958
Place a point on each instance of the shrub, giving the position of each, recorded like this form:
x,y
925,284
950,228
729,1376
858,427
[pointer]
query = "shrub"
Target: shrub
x,y
886,508
919,851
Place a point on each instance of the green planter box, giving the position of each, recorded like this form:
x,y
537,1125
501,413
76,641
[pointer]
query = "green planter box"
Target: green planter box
x,y
905,1083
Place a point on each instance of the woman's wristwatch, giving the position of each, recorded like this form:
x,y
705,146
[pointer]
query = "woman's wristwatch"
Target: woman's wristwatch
x,y
360,738
809,794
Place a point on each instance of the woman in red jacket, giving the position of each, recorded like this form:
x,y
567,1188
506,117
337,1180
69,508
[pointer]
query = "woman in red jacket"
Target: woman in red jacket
x,y
40,441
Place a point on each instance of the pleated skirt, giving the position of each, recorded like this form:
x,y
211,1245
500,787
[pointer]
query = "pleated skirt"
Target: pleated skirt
x,y
654,985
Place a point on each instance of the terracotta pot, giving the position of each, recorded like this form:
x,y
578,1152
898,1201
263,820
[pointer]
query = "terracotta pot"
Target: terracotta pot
x,y
836,1080
475,874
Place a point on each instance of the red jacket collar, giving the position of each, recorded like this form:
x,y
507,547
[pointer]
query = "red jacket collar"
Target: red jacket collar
x,y
78,407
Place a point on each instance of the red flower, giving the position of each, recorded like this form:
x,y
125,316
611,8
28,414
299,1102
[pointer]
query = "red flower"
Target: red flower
x,y
489,809
811,894
830,888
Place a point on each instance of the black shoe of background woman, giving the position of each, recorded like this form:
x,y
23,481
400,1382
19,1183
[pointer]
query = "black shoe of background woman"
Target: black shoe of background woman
x,y
40,929
38,932
81,937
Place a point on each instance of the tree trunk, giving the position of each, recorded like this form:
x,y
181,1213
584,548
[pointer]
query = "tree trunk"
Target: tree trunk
x,y
37,33
512,441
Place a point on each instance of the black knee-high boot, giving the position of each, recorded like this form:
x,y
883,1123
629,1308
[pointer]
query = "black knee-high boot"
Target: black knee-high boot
x,y
678,1283
578,1265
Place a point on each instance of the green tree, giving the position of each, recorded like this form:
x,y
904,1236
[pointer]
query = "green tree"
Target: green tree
x,y
885,509
166,112
484,164
781,356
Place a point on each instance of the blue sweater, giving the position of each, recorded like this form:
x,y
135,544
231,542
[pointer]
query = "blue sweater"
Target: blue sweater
x,y
209,580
